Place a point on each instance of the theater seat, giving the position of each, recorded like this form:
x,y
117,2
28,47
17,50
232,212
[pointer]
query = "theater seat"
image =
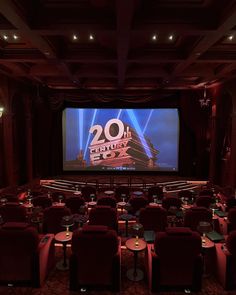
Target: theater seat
x,y
193,216
25,259
107,201
95,259
175,261
104,215
153,218
52,218
13,212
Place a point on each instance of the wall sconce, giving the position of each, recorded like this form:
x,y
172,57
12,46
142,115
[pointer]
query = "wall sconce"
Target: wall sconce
x,y
1,111
204,101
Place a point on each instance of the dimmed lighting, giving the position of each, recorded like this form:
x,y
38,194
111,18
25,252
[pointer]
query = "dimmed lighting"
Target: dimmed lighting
x,y
15,37
47,52
91,37
1,111
231,37
204,101
154,37
171,37
5,37
75,37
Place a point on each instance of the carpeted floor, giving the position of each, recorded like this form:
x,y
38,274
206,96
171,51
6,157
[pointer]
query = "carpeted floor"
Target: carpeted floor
x,y
57,282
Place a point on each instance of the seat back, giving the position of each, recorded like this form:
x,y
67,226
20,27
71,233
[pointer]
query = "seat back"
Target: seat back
x,y
52,218
178,250
104,215
153,218
13,212
194,215
107,201
74,204
18,250
87,191
204,201
94,249
42,201
171,202
137,203
155,190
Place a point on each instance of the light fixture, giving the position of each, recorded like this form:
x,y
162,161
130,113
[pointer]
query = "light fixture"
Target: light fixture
x,y
5,37
230,37
171,37
91,37
204,101
15,37
154,37
75,37
1,111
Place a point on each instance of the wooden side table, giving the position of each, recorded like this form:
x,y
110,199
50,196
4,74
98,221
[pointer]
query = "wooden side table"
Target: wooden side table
x,y
135,246
63,237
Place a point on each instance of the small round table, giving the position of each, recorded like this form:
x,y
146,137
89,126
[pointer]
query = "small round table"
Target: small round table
x,y
63,237
121,205
135,246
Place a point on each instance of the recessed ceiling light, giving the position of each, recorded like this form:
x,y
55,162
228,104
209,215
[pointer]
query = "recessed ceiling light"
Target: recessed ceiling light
x,y
5,37
15,37
75,37
170,37
91,37
231,37
154,37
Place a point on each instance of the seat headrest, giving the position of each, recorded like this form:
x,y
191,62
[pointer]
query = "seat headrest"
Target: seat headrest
x,y
180,231
101,207
15,225
100,229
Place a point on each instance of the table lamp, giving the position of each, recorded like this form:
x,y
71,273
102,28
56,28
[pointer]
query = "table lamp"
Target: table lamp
x,y
60,198
67,222
92,196
137,227
204,227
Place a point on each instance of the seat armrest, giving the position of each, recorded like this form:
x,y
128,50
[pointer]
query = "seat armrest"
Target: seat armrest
x,y
223,271
46,251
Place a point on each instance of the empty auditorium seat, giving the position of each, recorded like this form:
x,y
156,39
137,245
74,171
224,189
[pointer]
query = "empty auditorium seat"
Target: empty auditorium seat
x,y
106,201
104,215
193,216
175,261
95,259
13,212
74,204
25,259
153,218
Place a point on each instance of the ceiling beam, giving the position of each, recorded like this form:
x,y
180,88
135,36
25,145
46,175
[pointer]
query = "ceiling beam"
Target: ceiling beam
x,y
9,11
206,42
125,12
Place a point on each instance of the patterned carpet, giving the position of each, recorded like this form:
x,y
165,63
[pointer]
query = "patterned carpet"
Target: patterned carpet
x,y
57,282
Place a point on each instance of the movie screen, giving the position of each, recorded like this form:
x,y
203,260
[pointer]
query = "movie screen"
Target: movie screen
x,y
120,139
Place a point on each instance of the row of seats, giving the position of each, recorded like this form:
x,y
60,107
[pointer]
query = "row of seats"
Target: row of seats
x,y
175,258
152,217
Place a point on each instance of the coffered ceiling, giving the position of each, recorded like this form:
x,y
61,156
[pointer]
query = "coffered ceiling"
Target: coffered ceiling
x,y
122,44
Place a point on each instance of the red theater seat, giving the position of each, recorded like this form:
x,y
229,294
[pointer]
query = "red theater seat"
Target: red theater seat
x,y
95,259
52,218
74,204
106,201
13,212
153,218
175,261
204,201
104,215
193,216
25,259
